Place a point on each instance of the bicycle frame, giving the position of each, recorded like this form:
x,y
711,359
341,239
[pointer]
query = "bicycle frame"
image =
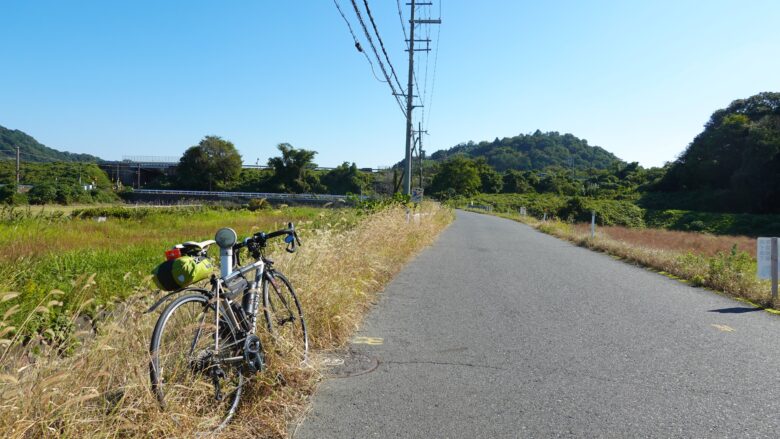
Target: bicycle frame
x,y
247,321
259,269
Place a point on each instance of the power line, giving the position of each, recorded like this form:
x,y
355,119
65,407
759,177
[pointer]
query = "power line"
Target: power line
x,y
427,63
435,63
382,45
376,53
401,17
425,78
406,40
357,43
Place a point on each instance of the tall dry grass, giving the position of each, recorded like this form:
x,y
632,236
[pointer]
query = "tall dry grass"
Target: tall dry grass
x,y
722,263
102,389
660,239
732,272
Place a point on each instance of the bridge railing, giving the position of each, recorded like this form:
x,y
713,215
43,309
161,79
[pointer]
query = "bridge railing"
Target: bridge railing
x,y
271,195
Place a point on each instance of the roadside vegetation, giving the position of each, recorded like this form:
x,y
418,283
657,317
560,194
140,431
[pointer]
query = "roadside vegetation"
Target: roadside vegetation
x,y
624,213
91,278
722,263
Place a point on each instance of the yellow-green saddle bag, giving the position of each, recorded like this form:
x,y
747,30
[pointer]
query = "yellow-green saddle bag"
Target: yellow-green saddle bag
x,y
181,272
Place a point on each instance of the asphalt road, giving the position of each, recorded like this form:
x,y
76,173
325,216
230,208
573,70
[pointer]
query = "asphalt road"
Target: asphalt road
x,y
499,331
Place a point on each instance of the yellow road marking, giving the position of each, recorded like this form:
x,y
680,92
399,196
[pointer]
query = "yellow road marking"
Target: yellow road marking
x,y
368,340
724,328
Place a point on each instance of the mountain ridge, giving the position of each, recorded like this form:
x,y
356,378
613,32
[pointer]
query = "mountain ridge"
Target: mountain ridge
x,y
34,151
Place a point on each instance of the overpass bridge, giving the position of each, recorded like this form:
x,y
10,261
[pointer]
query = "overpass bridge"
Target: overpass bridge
x,y
135,171
179,195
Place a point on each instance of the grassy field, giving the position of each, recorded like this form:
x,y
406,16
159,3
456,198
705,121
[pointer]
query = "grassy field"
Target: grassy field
x,y
45,251
722,263
100,387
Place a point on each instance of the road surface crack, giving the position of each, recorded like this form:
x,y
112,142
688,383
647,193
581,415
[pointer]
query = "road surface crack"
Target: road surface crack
x,y
444,363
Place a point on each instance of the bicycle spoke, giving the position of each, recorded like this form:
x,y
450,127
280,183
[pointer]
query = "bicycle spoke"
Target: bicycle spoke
x,y
190,378
285,318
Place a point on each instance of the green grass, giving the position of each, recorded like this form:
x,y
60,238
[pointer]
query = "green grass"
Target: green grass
x,y
44,252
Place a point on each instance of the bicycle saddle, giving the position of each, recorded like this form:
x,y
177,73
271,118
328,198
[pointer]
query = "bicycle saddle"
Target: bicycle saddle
x,y
203,245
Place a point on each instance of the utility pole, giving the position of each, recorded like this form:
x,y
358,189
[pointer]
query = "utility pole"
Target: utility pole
x,y
420,152
409,107
18,168
139,176
407,183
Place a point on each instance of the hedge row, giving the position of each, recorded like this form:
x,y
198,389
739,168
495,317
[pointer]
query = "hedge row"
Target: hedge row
x,y
625,213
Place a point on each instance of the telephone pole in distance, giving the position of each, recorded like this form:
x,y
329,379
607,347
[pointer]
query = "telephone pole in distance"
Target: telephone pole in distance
x,y
407,183
18,168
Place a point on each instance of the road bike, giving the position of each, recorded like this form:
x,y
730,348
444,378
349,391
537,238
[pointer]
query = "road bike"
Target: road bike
x,y
205,343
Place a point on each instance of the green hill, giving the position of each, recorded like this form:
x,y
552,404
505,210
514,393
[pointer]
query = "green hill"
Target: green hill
x,y
733,165
32,151
535,151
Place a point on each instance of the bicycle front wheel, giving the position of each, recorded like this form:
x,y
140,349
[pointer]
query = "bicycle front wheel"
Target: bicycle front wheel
x,y
188,374
284,317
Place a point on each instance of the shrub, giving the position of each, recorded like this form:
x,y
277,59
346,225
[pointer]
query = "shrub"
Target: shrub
x,y
258,204
99,196
732,272
65,195
6,193
697,226
44,193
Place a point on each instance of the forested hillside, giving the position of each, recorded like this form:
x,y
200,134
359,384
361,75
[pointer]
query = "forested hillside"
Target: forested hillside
x,y
734,164
33,151
534,151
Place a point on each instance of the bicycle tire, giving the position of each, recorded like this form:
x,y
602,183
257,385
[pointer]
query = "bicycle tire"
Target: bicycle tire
x,y
180,374
284,316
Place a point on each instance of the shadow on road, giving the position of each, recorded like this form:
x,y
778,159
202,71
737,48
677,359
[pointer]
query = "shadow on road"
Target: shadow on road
x,y
735,310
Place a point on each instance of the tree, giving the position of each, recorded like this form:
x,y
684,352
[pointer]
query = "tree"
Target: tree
x,y
515,182
490,180
293,170
736,157
534,151
344,179
558,182
43,193
458,176
66,194
214,163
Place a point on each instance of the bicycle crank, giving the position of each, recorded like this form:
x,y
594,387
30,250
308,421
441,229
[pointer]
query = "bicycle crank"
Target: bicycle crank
x,y
254,360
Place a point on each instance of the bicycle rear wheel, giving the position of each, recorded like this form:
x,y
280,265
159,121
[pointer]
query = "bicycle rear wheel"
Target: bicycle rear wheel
x,y
284,317
187,375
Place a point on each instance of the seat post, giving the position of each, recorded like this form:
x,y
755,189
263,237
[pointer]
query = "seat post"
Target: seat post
x,y
225,239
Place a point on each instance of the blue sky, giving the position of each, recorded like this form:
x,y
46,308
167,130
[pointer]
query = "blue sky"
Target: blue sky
x,y
638,78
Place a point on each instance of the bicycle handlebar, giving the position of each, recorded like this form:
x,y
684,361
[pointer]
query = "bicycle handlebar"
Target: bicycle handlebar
x,y
261,238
